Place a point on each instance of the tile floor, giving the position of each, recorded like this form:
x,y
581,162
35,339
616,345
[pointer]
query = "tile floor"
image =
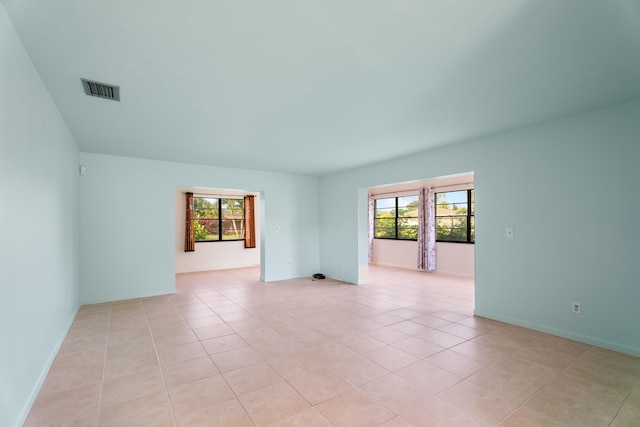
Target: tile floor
x,y
404,350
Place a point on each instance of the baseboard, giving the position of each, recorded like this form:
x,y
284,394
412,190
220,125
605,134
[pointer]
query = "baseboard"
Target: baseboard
x,y
587,339
22,418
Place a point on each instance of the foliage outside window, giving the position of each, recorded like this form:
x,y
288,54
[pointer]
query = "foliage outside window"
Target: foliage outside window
x,y
217,219
455,211
396,218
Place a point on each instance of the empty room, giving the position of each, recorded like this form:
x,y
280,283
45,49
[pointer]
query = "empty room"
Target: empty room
x,y
174,174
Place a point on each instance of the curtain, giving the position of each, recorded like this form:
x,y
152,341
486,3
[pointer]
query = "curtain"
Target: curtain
x,y
189,241
426,230
249,222
371,220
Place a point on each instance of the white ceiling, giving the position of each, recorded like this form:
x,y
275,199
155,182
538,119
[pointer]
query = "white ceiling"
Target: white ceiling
x,y
316,86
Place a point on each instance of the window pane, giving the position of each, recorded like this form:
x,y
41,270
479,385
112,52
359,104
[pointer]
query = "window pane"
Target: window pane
x,y
385,208
205,207
451,228
408,206
205,213
205,229
408,231
232,208
451,203
385,228
232,229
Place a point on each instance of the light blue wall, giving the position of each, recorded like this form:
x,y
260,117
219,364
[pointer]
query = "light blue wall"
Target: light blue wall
x,y
569,190
38,233
128,224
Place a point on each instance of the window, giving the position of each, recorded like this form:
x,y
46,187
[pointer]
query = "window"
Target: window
x,y
455,216
396,218
217,219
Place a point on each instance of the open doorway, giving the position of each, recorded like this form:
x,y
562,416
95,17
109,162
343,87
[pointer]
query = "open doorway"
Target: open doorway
x,y
217,250
455,253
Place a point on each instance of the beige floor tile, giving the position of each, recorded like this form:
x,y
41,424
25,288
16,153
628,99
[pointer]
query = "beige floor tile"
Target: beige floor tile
x,y
181,352
431,322
526,417
151,410
625,363
461,331
362,343
78,359
513,378
428,377
410,327
130,349
456,363
121,366
354,408
293,364
132,386
417,347
573,409
226,414
437,413
188,370
309,417
213,331
358,370
562,346
82,342
174,338
273,403
386,319
236,359
441,338
73,378
75,407
318,384
479,352
480,403
391,357
164,326
625,419
396,422
194,395
223,344
395,393
252,378
388,335
331,352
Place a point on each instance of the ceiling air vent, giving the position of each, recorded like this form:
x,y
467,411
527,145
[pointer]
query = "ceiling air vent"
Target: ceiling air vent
x,y
101,90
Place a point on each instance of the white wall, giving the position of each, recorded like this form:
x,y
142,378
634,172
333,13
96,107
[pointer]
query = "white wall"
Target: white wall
x,y
455,259
554,183
128,223
38,229
213,255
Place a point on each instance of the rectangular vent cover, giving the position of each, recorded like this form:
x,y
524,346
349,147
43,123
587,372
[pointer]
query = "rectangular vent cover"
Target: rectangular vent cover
x,y
101,90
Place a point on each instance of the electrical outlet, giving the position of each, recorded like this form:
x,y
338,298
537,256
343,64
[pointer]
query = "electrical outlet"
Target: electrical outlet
x,y
576,307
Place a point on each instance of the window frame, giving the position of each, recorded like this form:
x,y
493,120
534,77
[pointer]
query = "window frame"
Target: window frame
x,y
220,218
395,218
470,216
